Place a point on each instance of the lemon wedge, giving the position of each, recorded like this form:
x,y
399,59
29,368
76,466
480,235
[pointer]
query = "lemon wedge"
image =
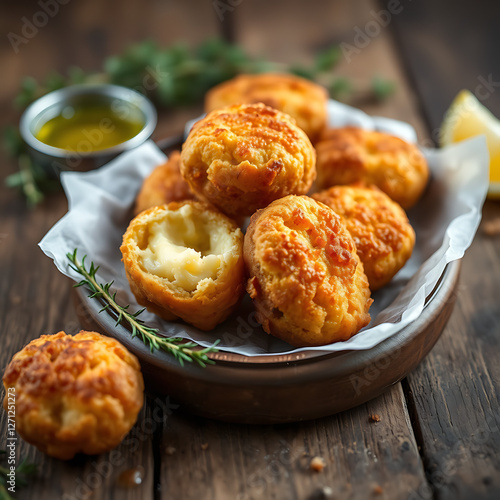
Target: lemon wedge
x,y
466,118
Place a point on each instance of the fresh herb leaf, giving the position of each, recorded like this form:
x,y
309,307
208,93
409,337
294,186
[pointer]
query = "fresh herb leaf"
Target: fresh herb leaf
x,y
54,81
303,71
28,92
27,181
341,88
13,141
382,88
76,75
328,59
24,471
4,495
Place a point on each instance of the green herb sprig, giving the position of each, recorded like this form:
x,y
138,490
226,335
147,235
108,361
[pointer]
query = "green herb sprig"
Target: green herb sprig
x,y
177,347
174,76
23,471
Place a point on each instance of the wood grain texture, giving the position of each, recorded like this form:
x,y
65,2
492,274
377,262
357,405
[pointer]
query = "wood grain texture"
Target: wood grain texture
x,y
36,301
97,477
250,462
453,398
454,394
447,46
307,28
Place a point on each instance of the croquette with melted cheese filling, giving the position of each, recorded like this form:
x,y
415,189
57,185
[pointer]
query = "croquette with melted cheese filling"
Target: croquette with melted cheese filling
x,y
185,260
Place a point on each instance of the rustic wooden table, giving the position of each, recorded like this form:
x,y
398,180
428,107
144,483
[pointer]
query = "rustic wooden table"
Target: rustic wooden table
x,y
439,429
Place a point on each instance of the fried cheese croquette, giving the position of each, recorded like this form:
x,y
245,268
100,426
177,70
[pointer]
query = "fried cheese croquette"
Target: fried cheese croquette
x,y
306,279
380,228
348,155
163,185
185,260
77,394
243,157
300,98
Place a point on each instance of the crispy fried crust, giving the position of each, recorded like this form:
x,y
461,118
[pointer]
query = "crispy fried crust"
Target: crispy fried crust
x,y
300,98
163,185
214,299
306,279
241,158
349,155
76,394
379,226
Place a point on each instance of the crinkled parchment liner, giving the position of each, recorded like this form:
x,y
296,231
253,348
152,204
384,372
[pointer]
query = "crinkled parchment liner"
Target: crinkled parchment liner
x,y
445,221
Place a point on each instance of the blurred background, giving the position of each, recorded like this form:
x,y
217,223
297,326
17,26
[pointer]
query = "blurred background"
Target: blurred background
x,y
423,51
404,59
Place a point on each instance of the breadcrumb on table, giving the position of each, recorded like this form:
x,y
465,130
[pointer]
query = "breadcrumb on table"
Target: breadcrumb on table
x,y
317,464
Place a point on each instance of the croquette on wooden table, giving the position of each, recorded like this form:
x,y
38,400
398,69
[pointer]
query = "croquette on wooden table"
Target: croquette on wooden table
x,y
434,435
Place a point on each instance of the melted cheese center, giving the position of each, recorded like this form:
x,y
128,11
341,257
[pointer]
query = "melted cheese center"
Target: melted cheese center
x,y
185,250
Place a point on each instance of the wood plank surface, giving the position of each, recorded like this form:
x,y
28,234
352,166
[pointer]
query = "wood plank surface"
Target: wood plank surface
x,y
454,395
438,435
447,46
252,462
36,300
246,462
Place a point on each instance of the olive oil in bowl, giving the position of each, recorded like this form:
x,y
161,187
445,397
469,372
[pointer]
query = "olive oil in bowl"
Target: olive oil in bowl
x,y
90,128
82,127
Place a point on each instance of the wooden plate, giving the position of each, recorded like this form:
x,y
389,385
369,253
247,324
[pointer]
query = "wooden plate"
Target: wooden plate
x,y
285,388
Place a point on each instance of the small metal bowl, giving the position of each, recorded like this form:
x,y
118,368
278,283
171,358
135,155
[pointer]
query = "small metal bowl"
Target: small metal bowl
x,y
53,159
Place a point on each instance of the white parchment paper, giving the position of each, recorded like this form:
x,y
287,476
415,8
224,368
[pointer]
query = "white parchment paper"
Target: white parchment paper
x,y
445,221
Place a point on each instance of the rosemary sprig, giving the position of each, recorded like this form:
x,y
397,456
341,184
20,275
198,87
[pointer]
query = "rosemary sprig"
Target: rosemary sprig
x,y
23,471
177,347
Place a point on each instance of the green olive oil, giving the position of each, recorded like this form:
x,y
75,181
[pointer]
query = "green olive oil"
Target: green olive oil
x,y
90,128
